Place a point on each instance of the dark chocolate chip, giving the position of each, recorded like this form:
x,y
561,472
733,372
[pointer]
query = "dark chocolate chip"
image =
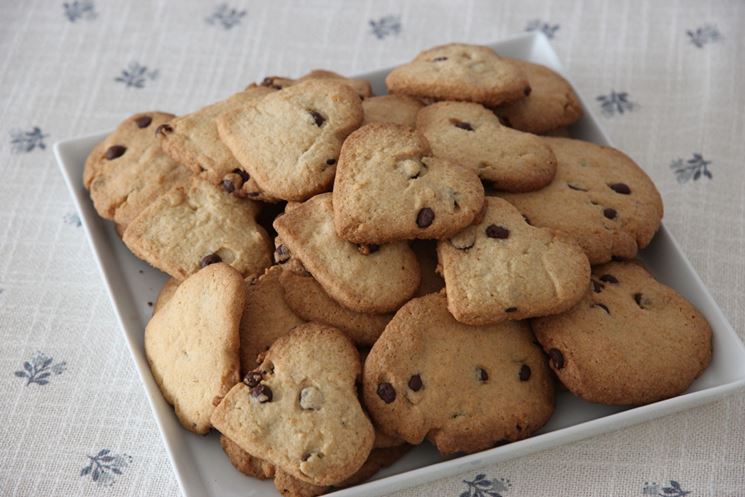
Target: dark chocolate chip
x,y
209,259
511,309
609,278
463,125
150,304
577,188
425,217
164,129
306,456
524,373
115,151
602,306
228,186
557,358
481,374
368,249
267,81
253,378
527,90
331,162
597,287
494,231
621,188
262,392
243,174
317,118
439,59
609,213
143,121
386,392
415,382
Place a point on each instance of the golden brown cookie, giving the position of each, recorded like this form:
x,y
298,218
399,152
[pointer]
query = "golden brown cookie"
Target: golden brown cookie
x,y
361,86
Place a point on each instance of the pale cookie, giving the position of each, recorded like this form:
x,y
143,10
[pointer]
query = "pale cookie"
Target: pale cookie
x,y
128,170
289,141
502,268
190,227
459,71
465,388
266,317
165,294
630,341
192,344
551,104
245,462
192,139
376,279
307,298
361,86
471,135
396,109
599,196
299,409
390,187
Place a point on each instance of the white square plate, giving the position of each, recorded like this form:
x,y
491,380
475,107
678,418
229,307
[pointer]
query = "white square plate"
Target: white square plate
x,y
204,471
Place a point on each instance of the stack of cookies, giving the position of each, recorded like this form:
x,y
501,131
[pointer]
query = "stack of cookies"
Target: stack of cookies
x,y
353,274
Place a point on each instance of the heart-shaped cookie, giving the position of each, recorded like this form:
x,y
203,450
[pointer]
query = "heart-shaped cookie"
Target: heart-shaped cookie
x,y
459,71
472,136
299,410
389,187
502,268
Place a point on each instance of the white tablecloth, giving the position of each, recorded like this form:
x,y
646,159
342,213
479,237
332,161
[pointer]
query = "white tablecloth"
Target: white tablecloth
x,y
666,77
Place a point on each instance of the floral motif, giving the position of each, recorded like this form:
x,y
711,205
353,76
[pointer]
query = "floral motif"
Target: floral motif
x,y
544,27
103,466
26,141
693,168
225,16
672,489
72,219
39,369
703,35
136,75
615,102
80,10
385,26
482,487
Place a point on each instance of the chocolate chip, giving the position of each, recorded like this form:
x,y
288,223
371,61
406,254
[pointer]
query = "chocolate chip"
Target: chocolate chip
x,y
262,393
609,278
164,129
524,373
143,121
150,304
415,382
228,186
463,125
439,59
577,188
115,151
331,162
621,188
602,306
281,254
597,287
305,456
253,378
267,81
511,309
557,358
481,374
368,249
609,213
317,118
243,174
209,259
425,217
386,392
527,90
494,231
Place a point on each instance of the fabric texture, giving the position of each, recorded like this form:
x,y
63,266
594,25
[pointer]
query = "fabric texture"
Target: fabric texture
x,y
663,76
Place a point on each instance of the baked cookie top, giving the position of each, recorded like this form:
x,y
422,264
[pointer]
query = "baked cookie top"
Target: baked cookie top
x,y
599,196
361,86
459,71
652,341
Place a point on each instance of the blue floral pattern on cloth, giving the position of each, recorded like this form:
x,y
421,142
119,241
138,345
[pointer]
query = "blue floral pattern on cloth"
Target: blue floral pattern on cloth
x,y
40,368
481,486
103,467
135,75
670,489
615,103
77,10
72,219
27,141
703,35
692,169
546,28
385,26
225,16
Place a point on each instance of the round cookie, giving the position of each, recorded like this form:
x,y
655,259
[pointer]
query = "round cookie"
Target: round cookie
x,y
630,341
466,388
599,196
551,104
459,71
361,86
396,109
470,135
